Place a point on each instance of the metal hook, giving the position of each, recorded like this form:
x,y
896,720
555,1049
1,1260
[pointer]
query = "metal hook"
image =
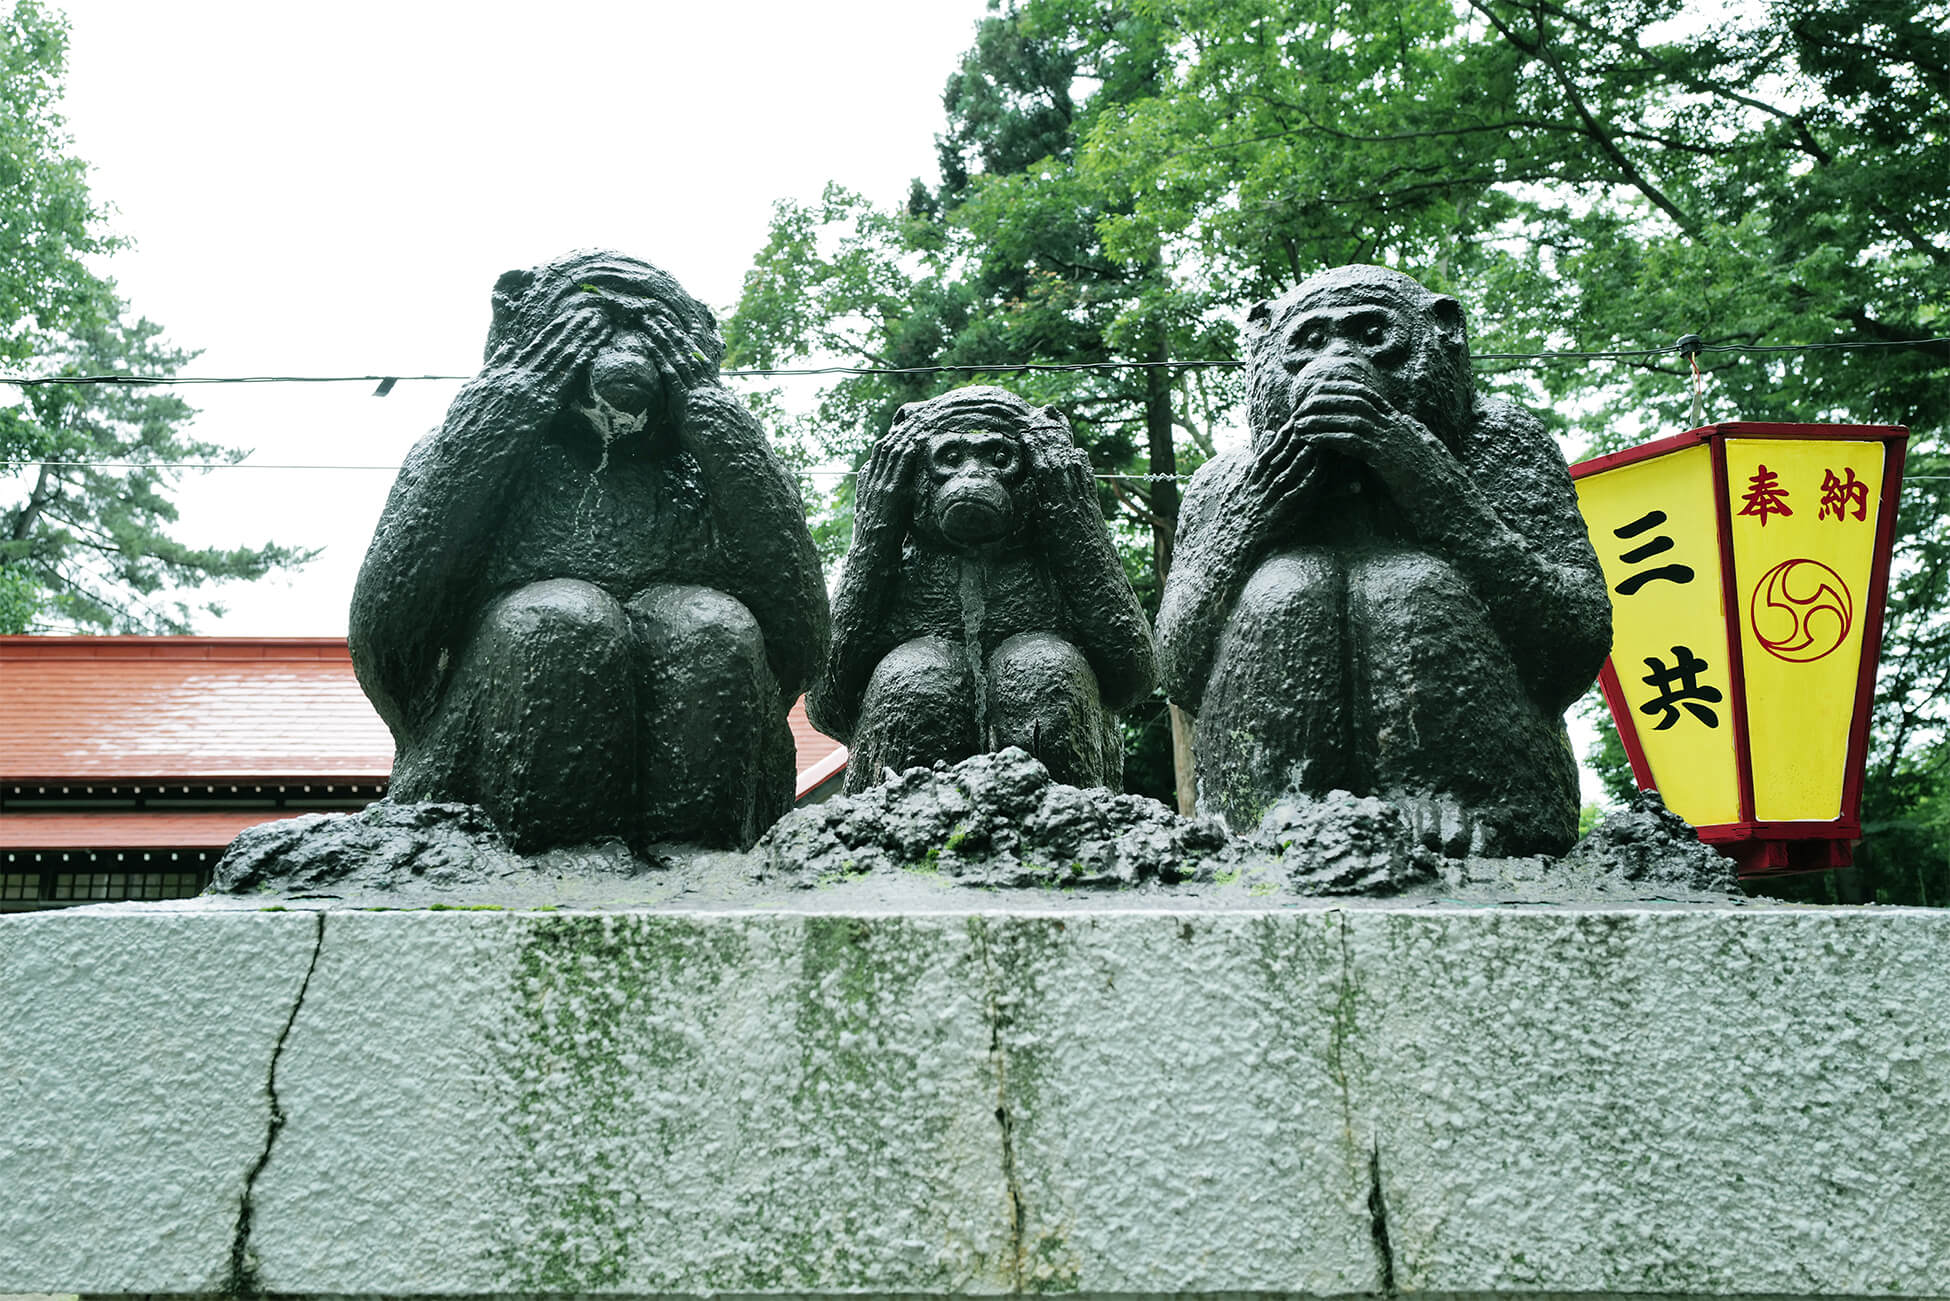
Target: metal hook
x,y
1689,346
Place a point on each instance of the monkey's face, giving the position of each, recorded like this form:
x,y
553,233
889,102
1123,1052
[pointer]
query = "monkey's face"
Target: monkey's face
x,y
628,373
1370,328
1366,343
655,341
973,477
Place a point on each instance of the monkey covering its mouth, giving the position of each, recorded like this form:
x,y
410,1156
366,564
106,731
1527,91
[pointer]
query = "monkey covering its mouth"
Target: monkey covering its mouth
x,y
1391,592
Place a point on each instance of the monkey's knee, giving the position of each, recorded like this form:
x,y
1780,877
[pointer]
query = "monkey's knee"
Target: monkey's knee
x,y
1308,585
1043,698
1284,637
550,656
1439,687
1276,711
552,607
918,708
709,769
543,694
698,627
1452,722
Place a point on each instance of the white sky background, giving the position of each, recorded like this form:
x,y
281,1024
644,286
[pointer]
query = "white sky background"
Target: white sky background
x,y
333,189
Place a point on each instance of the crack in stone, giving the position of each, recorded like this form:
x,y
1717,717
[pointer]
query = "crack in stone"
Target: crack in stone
x,y
1340,1033
1341,1028
998,1060
1384,1245
242,1280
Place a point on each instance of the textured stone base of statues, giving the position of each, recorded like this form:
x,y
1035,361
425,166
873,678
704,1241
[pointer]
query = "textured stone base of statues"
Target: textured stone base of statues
x,y
992,822
1274,1097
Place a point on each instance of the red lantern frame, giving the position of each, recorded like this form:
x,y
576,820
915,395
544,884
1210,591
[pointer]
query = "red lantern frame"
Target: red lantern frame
x,y
1774,848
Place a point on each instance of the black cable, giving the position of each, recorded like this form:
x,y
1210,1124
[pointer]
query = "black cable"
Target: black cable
x,y
996,368
11,466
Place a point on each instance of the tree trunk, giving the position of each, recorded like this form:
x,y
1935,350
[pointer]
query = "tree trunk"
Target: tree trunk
x,y
1164,535
1181,761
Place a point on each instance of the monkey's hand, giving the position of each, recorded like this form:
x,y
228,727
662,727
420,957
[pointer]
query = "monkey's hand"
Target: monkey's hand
x,y
680,361
552,355
1060,471
1347,416
529,381
883,495
1279,481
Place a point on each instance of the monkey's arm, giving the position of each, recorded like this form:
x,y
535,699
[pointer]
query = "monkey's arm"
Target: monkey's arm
x,y
1551,606
1502,511
767,558
420,580
1103,612
869,581
1214,554
861,638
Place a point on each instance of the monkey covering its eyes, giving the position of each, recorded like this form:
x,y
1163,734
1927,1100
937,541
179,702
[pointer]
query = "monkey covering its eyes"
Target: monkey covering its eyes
x,y
1391,591
592,595
982,604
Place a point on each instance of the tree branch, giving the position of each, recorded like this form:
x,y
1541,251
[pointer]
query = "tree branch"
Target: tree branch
x,y
1594,129
1137,507
46,489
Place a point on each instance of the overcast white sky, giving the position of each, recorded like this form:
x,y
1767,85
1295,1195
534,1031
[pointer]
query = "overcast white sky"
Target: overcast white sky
x,y
332,189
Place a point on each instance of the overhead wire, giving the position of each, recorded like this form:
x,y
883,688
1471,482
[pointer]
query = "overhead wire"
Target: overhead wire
x,y
997,368
1687,347
391,469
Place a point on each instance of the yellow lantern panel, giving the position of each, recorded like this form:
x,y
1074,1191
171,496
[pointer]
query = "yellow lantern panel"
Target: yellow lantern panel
x,y
1803,519
1653,526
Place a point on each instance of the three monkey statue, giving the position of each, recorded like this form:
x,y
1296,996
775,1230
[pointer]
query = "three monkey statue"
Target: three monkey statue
x,y
592,596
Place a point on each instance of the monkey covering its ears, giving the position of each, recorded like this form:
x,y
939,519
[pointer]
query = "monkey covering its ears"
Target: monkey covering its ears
x,y
982,604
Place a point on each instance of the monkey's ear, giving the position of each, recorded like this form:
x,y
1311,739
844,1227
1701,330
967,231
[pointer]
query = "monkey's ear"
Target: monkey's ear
x,y
1056,414
902,416
1448,316
508,291
1259,316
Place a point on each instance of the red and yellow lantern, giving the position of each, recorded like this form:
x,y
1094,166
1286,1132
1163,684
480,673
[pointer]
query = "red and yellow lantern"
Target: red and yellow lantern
x,y
1748,564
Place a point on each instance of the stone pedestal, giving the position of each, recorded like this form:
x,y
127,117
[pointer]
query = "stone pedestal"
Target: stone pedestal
x,y
1310,1101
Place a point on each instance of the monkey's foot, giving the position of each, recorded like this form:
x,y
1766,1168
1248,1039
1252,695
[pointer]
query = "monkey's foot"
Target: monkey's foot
x,y
1447,824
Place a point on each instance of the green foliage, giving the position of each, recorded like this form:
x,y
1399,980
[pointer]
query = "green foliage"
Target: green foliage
x,y
51,223
1606,174
999,265
1606,757
1589,817
83,545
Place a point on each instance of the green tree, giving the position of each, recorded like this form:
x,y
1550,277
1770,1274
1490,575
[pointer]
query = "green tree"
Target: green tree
x,y
84,493
51,223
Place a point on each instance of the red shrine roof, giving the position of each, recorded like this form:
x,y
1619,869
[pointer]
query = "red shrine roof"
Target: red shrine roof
x,y
144,709
121,722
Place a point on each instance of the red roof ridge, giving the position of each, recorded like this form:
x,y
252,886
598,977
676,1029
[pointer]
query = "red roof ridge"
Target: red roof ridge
x,y
32,646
